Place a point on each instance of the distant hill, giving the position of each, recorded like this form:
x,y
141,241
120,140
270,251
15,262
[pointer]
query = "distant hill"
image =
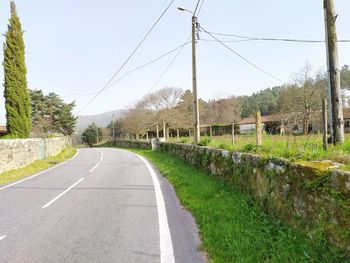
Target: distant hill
x,y
101,120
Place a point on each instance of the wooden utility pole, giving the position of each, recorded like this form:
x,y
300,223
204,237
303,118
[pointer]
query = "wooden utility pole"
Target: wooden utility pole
x,y
194,83
333,72
324,123
157,128
233,134
258,128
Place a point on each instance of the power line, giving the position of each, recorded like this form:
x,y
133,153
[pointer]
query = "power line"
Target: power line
x,y
130,56
232,59
246,60
150,62
250,38
200,8
225,41
168,67
195,10
132,70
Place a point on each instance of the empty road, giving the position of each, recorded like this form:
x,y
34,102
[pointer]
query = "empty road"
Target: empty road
x,y
104,205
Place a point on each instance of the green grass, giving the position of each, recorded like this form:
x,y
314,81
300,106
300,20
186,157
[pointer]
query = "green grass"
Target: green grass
x,y
36,166
232,228
294,148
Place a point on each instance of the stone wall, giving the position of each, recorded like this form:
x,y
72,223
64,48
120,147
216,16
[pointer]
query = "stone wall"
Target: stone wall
x,y
17,153
317,201
147,145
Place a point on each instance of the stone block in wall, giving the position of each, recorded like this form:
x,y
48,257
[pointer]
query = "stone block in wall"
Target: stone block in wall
x,y
301,195
17,153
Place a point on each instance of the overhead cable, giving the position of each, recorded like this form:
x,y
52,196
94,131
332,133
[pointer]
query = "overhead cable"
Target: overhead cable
x,y
132,70
249,38
246,60
130,56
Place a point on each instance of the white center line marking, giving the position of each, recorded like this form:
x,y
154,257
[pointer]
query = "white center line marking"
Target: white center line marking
x,y
93,168
101,156
166,245
2,237
61,194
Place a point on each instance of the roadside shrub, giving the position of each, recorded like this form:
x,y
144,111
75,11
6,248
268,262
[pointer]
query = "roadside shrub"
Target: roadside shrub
x,y
204,141
249,147
184,140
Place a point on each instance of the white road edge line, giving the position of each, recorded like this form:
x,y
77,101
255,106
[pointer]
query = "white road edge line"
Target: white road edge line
x,y
34,175
166,245
2,237
93,168
63,193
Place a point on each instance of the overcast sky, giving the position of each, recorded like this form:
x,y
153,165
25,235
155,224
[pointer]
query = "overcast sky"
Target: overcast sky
x,y
74,47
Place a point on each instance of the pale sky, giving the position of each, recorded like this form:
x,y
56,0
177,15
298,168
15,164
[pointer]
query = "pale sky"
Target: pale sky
x,y
76,46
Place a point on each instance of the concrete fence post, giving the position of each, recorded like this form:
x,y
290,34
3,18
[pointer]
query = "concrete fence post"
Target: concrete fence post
x,y
233,134
258,128
324,124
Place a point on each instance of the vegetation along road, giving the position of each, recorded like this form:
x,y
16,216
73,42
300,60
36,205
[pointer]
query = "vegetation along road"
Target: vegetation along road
x,y
104,205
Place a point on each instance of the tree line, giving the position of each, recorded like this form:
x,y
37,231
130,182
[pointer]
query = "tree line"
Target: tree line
x,y
172,108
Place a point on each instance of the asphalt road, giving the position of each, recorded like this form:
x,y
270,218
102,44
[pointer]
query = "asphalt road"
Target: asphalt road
x,y
104,205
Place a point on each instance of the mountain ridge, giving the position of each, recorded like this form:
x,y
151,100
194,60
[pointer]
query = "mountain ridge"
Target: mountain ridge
x,y
101,120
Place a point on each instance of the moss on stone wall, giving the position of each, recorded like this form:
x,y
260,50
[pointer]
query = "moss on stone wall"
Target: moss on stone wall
x,y
304,196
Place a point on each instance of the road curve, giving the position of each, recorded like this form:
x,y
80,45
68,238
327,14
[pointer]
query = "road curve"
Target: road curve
x,y
104,205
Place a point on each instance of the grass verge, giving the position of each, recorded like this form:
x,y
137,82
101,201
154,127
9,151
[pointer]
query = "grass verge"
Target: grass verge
x,y
232,228
302,148
37,166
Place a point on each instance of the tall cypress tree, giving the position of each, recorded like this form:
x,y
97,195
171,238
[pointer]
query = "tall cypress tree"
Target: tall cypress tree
x,y
17,99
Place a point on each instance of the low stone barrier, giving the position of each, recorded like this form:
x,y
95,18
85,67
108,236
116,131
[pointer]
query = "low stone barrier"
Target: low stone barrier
x,y
315,200
147,145
17,153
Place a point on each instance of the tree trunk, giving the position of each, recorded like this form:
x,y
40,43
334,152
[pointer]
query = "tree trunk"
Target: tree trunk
x,y
305,126
164,131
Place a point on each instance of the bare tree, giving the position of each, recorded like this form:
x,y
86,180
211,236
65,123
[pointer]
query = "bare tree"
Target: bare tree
x,y
163,103
136,119
305,96
223,111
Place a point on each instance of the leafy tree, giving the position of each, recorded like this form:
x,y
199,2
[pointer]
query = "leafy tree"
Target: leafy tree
x,y
265,101
17,101
51,114
185,110
39,109
65,122
92,134
117,128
